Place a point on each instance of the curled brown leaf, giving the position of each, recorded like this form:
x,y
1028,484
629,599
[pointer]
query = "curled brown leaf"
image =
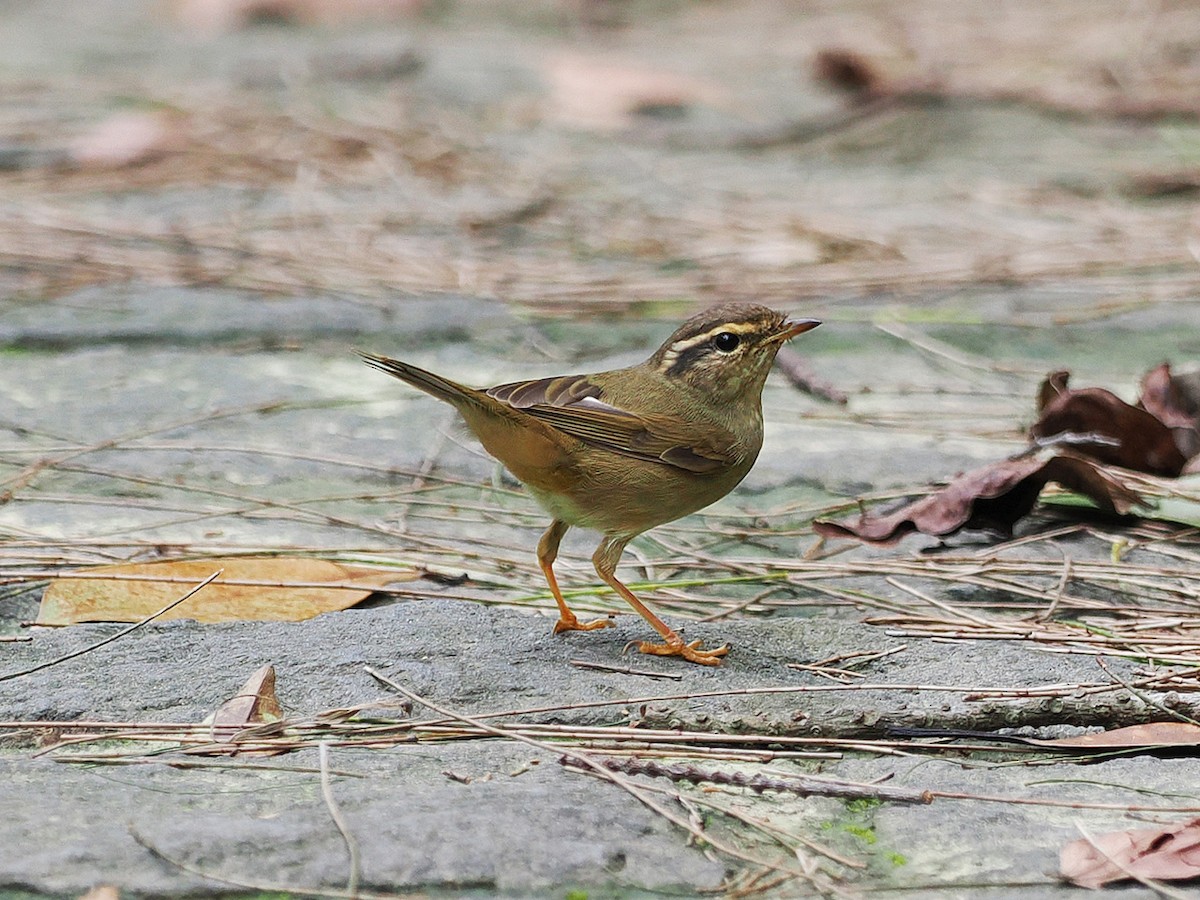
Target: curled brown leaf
x,y
1175,401
990,498
1122,435
1163,853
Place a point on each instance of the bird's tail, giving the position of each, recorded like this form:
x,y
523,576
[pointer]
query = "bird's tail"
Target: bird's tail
x,y
429,382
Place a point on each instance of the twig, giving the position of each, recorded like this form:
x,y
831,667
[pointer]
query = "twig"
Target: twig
x,y
112,637
796,784
1048,612
1149,701
798,372
24,477
339,820
625,670
827,666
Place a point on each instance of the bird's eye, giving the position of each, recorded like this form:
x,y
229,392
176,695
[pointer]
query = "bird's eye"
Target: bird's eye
x,y
726,342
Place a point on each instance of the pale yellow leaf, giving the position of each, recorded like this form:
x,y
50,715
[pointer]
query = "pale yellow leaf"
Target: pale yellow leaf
x,y
287,589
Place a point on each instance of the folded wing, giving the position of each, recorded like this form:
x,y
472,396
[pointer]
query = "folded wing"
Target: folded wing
x,y
576,406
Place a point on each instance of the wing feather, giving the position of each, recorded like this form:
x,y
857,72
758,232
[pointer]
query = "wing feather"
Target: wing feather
x,y
576,406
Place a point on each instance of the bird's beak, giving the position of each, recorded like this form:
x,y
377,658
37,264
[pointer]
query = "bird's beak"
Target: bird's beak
x,y
793,327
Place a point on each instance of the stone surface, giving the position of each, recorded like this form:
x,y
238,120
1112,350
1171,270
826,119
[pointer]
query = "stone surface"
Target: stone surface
x,y
178,378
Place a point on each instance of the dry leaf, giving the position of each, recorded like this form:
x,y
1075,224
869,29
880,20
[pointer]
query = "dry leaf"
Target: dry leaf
x,y
1160,437
1143,443
1148,736
102,892
277,588
1165,853
1163,738
992,498
254,704
605,94
128,139
1175,401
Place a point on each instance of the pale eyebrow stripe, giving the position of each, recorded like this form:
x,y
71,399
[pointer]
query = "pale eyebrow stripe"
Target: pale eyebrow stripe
x,y
733,327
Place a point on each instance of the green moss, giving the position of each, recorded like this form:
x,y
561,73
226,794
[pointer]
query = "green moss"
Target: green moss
x,y
864,833
896,859
863,805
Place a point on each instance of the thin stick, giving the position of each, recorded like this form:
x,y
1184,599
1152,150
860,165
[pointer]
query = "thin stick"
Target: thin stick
x,y
625,670
1049,611
336,814
794,784
120,634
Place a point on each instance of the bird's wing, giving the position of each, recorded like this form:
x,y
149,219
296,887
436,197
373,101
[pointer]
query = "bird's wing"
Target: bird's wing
x,y
576,406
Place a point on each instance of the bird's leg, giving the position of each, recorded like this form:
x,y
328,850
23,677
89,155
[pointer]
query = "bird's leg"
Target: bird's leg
x,y
605,560
547,552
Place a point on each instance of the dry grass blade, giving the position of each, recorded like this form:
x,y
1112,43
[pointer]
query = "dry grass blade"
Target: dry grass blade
x,y
339,820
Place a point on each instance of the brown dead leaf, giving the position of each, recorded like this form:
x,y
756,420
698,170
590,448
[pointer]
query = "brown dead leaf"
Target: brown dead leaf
x,y
605,94
254,704
992,497
102,892
1161,437
1175,401
1148,735
129,138
1143,443
1158,738
1165,853
278,588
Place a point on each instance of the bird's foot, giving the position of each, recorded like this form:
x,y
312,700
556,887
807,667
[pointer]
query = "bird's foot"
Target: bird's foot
x,y
691,652
568,622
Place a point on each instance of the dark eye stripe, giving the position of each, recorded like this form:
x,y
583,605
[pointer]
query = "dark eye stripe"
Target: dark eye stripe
x,y
686,359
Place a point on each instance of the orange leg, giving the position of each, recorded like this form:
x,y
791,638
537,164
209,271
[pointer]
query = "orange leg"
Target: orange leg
x,y
605,560
547,552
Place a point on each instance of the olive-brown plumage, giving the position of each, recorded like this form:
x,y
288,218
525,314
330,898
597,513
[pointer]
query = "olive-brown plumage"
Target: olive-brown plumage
x,y
626,450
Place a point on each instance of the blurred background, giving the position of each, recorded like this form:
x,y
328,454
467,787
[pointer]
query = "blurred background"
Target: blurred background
x,y
208,203
589,155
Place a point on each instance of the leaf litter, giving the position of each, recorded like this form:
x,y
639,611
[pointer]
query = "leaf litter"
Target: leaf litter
x,y
1165,853
275,588
254,704
1086,440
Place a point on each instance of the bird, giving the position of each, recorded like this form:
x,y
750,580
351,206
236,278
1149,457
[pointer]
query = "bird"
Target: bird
x,y
623,451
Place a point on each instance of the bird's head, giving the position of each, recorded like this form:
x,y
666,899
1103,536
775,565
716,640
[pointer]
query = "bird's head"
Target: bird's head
x,y
727,351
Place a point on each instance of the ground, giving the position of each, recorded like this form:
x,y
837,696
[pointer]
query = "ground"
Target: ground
x,y
205,216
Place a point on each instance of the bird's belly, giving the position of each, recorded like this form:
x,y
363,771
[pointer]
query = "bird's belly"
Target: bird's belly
x,y
592,488
635,497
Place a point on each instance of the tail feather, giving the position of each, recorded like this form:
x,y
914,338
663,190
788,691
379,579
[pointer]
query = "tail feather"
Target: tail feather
x,y
429,382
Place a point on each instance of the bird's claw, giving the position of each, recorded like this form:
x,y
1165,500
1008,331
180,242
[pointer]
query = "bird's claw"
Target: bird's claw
x,y
570,623
691,652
